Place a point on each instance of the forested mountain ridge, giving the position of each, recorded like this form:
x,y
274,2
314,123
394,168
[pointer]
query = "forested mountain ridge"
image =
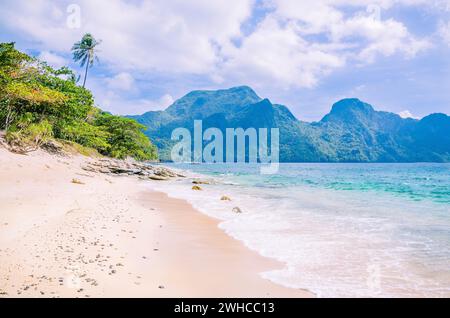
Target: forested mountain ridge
x,y
353,131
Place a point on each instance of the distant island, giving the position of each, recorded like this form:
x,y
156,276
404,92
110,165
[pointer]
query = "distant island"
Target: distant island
x,y
352,132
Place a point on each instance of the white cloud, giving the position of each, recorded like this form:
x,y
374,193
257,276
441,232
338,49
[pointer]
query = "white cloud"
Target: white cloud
x,y
121,96
407,114
301,42
377,37
295,45
52,59
165,101
117,104
274,54
444,32
145,105
122,81
166,36
39,21
365,33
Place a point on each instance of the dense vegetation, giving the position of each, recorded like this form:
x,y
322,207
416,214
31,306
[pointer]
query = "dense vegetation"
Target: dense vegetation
x,y
352,132
39,103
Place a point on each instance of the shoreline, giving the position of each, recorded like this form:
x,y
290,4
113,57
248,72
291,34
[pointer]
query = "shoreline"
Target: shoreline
x,y
225,255
114,237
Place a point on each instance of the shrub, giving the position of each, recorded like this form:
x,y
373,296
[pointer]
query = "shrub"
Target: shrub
x,y
126,138
28,136
86,135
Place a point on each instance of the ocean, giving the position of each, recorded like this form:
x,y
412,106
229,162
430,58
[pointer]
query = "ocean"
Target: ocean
x,y
341,230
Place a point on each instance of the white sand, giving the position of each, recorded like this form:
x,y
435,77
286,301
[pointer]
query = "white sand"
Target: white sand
x,y
112,237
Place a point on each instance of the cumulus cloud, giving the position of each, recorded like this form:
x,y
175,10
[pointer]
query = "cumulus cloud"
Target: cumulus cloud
x,y
300,42
121,94
275,54
167,36
377,37
52,59
122,81
117,103
294,44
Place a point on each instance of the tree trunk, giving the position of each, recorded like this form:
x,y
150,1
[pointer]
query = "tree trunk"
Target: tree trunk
x,y
87,68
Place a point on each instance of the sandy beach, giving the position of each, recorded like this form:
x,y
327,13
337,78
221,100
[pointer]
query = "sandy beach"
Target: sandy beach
x,y
113,237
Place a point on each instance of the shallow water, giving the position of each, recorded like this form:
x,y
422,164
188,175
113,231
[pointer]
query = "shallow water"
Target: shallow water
x,y
341,229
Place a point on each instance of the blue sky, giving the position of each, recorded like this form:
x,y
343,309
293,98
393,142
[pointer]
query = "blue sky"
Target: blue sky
x,y
307,55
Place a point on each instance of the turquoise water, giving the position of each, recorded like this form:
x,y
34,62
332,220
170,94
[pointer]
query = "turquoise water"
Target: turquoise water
x,y
340,229
416,182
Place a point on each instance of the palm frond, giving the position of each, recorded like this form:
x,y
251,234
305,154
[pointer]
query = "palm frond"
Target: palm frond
x,y
84,52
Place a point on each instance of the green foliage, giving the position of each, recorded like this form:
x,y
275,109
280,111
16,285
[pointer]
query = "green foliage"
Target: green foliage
x,y
87,135
10,61
126,137
38,102
29,135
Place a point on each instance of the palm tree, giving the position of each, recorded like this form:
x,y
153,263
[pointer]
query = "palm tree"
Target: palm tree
x,y
84,52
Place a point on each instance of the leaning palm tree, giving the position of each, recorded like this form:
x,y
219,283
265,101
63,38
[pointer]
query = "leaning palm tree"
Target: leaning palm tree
x,y
84,52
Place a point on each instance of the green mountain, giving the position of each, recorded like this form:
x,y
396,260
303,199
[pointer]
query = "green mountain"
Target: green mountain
x,y
352,132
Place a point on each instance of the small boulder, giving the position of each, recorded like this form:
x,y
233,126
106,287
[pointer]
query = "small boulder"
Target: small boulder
x,y
157,178
124,170
76,181
225,198
104,170
197,188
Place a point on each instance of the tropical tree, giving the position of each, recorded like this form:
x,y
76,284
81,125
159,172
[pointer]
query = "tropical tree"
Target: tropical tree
x,y
38,104
84,52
